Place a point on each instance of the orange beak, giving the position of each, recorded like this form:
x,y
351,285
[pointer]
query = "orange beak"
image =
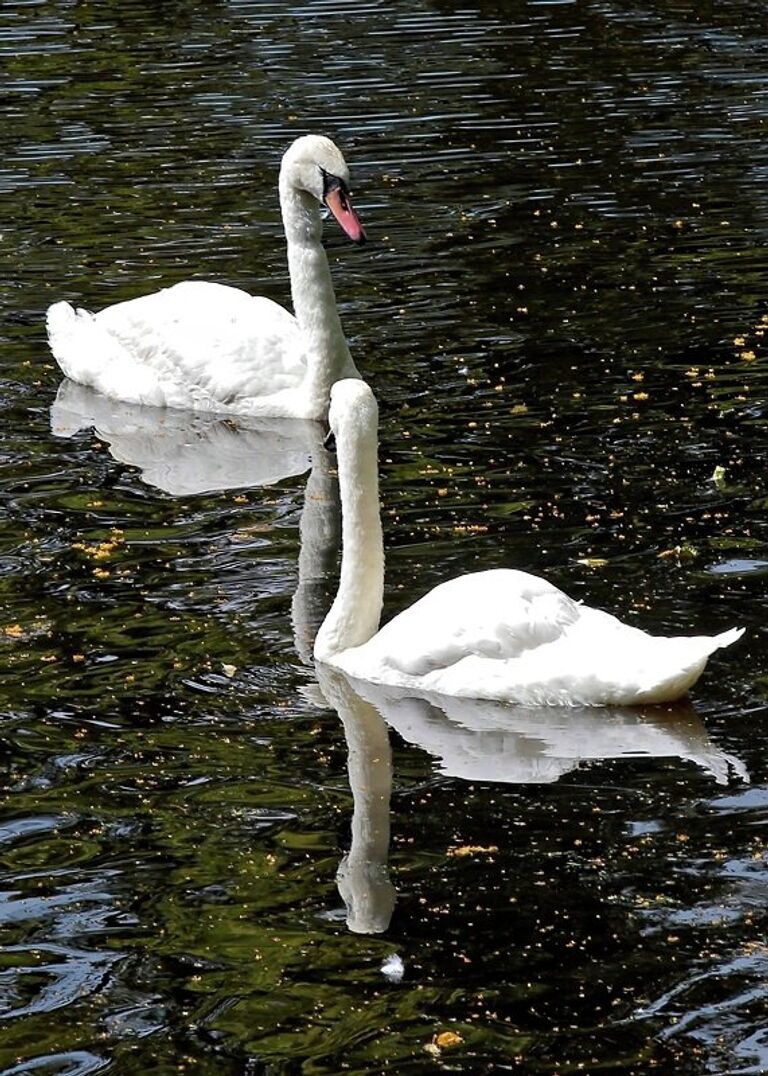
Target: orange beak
x,y
337,200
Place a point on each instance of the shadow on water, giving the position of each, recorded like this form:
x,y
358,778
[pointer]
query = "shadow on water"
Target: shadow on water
x,y
562,310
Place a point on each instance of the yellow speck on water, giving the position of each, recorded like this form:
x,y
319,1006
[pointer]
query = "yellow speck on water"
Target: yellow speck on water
x,y
680,552
739,341
748,356
470,528
640,396
101,550
13,631
472,849
445,1040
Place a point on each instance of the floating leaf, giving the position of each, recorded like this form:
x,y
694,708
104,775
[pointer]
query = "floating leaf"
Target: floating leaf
x,y
680,552
446,1040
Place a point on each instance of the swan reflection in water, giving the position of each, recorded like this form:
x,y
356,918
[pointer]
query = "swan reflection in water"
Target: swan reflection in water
x,y
477,740
185,453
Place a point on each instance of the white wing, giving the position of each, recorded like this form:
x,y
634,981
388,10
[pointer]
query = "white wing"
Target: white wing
x,y
513,637
196,344
496,614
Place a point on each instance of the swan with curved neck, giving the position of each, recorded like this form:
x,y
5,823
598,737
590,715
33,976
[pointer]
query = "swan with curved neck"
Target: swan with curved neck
x,y
208,347
500,634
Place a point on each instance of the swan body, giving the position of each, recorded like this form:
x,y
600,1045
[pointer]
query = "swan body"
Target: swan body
x,y
502,635
207,347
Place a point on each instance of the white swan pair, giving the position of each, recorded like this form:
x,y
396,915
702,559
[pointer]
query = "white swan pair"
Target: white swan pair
x,y
502,635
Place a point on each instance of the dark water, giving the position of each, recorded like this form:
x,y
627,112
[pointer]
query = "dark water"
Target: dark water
x,y
563,313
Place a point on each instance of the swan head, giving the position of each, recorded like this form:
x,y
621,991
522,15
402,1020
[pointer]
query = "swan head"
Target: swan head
x,y
353,408
315,164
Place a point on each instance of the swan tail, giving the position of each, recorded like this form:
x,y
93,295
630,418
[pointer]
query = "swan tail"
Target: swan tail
x,y
688,659
91,355
60,322
65,330
79,345
725,638
59,317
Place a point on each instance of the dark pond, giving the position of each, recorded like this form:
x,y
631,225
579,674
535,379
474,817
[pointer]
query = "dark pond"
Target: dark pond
x,y
562,310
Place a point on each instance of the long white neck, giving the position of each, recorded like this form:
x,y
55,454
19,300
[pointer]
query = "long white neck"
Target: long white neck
x,y
314,300
354,616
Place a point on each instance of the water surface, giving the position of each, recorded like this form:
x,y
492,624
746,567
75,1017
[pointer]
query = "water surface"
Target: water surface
x,y
562,311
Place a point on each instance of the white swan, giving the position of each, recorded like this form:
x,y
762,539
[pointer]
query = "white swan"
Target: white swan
x,y
208,347
500,634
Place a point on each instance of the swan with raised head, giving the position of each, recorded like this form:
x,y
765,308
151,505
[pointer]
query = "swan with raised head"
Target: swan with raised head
x,y
207,347
500,634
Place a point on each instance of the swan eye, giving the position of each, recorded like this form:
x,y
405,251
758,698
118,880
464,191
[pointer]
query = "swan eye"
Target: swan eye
x,y
335,183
